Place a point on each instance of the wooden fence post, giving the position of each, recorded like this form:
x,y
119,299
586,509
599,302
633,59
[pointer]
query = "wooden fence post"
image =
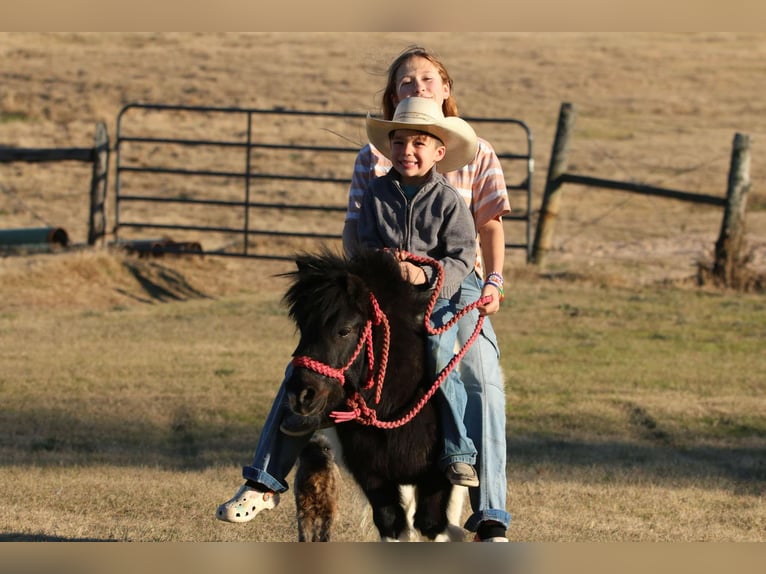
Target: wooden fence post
x,y
731,241
551,196
97,215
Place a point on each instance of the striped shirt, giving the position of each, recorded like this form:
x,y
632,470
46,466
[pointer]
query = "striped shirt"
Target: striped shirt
x,y
480,183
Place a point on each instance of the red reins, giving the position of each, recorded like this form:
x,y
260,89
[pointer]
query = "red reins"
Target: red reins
x,y
359,411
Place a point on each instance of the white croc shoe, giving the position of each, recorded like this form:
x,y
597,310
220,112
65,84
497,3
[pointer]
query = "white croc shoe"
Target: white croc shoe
x,y
244,505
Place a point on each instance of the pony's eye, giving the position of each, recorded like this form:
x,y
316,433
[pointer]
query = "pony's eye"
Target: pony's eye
x,y
344,331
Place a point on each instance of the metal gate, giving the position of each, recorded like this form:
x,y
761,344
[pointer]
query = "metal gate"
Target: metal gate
x,y
263,183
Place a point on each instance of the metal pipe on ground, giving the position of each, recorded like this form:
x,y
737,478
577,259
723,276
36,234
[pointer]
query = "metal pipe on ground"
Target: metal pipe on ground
x,y
34,236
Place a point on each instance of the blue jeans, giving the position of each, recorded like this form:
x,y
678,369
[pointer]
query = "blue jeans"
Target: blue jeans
x,y
277,453
484,413
458,447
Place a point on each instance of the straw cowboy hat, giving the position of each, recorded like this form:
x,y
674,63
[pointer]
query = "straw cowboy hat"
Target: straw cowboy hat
x,y
425,115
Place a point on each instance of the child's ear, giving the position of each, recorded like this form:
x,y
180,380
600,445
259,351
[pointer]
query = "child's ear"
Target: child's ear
x,y
441,151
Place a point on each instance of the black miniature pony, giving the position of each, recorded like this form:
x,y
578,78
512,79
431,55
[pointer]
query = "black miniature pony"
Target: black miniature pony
x,y
361,356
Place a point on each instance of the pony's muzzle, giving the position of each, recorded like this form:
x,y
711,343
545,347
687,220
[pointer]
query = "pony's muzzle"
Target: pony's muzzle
x,y
303,402
308,393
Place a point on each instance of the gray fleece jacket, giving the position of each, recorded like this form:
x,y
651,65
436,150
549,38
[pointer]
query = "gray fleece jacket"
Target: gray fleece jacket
x,y
435,223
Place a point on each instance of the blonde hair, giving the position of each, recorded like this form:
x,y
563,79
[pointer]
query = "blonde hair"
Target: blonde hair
x,y
449,106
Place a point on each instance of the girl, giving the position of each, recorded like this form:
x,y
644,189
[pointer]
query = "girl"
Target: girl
x,y
417,72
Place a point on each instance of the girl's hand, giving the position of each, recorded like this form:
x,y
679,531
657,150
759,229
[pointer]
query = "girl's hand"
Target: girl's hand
x,y
493,306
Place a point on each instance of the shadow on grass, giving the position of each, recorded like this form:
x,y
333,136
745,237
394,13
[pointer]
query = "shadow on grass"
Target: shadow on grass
x,y
21,537
161,283
745,467
188,443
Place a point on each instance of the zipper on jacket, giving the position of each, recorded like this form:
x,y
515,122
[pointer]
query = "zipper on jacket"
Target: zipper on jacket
x,y
404,243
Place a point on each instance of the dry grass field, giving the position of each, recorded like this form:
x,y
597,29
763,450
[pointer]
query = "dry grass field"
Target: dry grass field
x,y
134,389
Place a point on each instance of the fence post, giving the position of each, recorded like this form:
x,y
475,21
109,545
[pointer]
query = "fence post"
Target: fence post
x,y
730,244
551,196
97,215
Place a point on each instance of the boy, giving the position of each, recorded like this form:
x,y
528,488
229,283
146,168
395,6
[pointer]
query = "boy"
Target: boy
x,y
414,209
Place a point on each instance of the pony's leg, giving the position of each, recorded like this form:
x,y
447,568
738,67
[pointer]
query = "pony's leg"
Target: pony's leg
x,y
433,495
301,532
387,512
457,500
453,532
408,494
324,532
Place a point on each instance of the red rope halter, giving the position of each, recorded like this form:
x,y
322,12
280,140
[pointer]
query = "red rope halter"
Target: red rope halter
x,y
365,340
359,410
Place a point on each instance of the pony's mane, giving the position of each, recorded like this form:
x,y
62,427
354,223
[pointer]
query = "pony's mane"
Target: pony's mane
x,y
322,279
381,273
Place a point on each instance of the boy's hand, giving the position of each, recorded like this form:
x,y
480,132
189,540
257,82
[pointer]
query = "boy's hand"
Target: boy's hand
x,y
412,273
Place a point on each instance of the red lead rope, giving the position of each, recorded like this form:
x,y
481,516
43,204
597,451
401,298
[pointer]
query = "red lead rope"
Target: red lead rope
x,y
359,411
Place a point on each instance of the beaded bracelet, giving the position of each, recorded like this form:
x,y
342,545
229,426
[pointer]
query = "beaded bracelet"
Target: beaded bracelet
x,y
497,286
498,277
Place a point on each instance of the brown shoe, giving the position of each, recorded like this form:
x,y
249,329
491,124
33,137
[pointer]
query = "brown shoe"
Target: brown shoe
x,y
462,474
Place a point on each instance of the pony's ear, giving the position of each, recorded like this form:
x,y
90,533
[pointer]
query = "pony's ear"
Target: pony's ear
x,y
306,263
302,263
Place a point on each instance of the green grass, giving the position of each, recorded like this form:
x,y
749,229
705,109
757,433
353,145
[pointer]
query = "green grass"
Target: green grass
x,y
7,117
636,399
